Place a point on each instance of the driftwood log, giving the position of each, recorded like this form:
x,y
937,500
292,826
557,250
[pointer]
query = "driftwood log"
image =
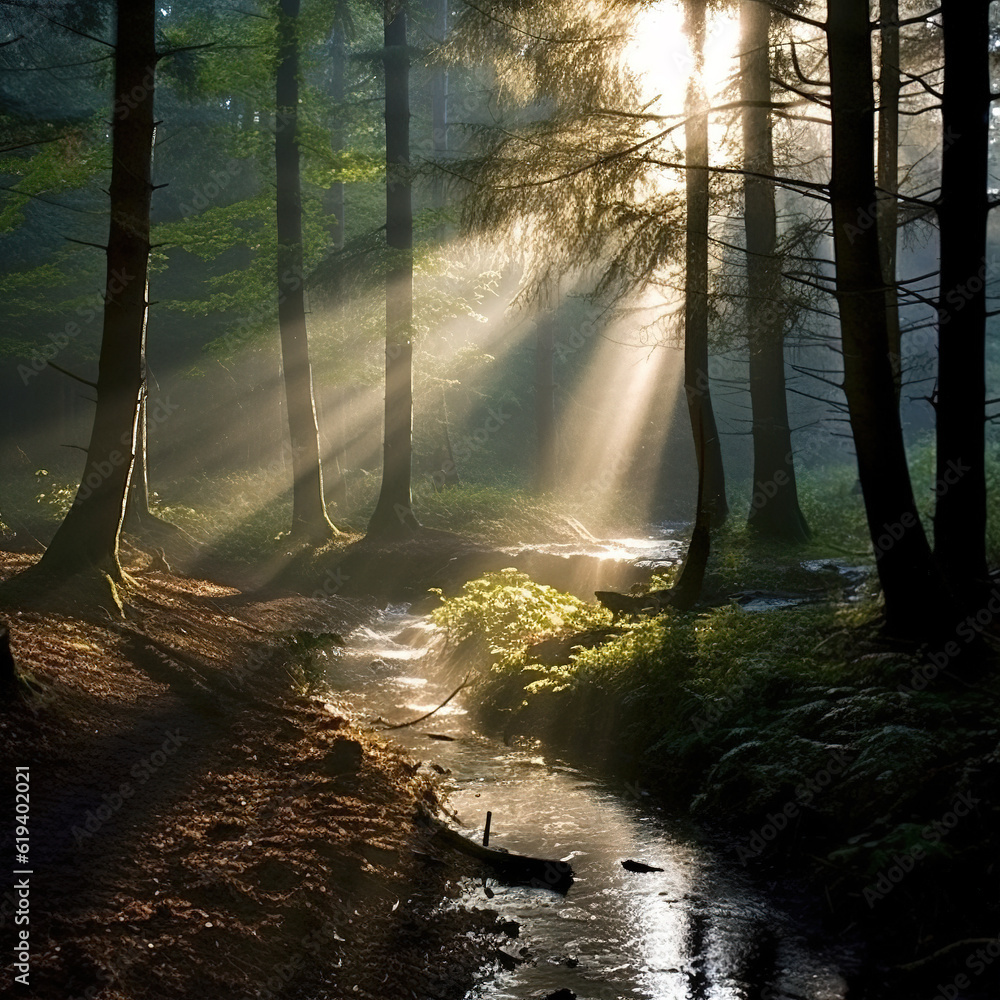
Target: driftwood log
x,y
633,605
512,869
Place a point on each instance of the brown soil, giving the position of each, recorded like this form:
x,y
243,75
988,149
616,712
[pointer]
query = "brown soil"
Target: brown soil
x,y
203,826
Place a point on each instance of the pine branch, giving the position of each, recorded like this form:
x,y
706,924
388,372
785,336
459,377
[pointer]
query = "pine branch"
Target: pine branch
x,y
72,375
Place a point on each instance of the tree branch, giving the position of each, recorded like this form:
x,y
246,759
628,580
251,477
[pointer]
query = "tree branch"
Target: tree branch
x,y
73,375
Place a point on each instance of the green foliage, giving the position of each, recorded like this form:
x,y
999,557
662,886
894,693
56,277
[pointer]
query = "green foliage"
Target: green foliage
x,y
741,713
70,161
57,497
507,608
834,511
495,513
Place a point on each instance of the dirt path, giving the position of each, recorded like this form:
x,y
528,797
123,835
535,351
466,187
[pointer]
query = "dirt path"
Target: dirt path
x,y
201,828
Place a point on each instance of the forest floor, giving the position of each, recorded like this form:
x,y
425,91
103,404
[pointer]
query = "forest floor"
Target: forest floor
x,y
201,825
206,824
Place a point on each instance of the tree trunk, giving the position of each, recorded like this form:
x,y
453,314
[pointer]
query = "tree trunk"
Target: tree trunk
x,y
960,516
338,60
338,492
394,512
337,206
545,407
309,518
439,103
774,509
696,381
448,472
686,592
915,601
88,537
137,507
889,86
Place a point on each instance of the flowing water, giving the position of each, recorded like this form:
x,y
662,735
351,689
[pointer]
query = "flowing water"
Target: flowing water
x,y
696,930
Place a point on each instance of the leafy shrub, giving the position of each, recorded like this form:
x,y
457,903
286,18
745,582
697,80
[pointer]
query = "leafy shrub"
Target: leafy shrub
x,y
507,608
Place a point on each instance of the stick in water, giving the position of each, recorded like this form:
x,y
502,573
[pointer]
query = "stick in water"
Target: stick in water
x,y
413,722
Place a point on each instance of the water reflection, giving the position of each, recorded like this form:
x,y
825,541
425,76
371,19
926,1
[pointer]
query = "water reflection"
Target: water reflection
x,y
695,931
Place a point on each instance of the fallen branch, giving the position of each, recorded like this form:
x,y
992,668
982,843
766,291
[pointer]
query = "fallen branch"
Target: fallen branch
x,y
516,869
413,722
964,943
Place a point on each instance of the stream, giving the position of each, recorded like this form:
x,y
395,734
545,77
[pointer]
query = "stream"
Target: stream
x,y
696,930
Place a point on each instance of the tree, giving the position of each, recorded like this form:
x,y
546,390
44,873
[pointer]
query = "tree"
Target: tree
x,y
394,512
963,210
87,540
711,475
309,518
337,204
545,405
774,510
916,604
889,89
438,9
686,592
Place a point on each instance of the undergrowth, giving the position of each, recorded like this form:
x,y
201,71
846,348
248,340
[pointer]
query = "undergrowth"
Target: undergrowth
x,y
740,716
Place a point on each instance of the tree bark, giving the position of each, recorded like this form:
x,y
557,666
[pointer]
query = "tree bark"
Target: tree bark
x,y
916,603
338,60
439,103
774,509
889,87
137,507
88,537
686,592
712,481
309,518
394,512
545,407
960,515
337,206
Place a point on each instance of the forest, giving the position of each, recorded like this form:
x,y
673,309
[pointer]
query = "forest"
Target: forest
x,y
499,499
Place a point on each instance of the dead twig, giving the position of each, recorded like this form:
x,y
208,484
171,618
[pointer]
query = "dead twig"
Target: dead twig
x,y
413,722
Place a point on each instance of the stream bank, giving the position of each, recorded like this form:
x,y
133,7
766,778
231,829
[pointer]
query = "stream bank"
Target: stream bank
x,y
808,744
202,826
696,928
273,891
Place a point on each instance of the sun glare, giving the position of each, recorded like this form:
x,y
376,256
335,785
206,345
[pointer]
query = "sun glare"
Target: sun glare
x,y
661,55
